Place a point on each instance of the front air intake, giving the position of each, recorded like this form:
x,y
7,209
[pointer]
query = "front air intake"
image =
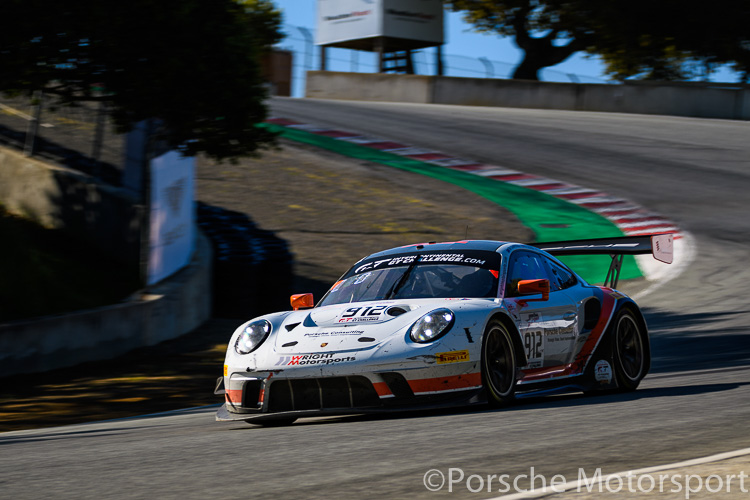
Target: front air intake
x,y
321,394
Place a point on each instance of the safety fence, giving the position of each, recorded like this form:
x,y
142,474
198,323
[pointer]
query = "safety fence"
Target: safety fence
x,y
306,56
80,137
83,138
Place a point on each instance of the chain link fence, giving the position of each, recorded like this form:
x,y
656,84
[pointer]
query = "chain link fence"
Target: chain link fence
x,y
301,42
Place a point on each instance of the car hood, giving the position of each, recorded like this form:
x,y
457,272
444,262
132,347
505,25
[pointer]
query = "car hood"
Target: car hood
x,y
345,327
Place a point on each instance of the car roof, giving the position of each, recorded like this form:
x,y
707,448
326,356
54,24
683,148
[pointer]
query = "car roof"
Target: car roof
x,y
485,245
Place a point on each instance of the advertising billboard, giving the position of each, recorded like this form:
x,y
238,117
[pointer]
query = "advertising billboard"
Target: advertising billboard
x,y
172,218
414,20
342,21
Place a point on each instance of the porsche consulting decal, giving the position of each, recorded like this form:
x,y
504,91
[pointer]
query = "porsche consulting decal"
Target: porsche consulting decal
x,y
328,358
335,334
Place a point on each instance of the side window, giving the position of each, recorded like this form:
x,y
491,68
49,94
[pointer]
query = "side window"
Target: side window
x,y
523,266
560,277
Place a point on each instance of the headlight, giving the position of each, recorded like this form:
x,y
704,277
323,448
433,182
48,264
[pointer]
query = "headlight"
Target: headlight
x,y
252,336
432,325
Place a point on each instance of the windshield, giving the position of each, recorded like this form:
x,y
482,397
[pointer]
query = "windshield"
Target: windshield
x,y
418,276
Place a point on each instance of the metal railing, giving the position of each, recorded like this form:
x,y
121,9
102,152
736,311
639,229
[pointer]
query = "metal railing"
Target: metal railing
x,y
80,137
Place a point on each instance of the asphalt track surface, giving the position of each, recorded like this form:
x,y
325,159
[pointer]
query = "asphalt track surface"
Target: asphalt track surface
x,y
695,402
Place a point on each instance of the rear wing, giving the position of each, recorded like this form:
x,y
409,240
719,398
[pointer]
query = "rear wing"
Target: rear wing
x,y
659,245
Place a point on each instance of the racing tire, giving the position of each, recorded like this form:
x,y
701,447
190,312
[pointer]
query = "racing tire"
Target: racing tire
x,y
277,422
498,364
630,351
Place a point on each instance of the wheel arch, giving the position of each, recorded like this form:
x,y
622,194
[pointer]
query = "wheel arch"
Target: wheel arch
x,y
631,307
515,336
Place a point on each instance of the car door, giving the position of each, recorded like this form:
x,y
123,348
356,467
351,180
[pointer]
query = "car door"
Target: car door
x,y
547,327
563,339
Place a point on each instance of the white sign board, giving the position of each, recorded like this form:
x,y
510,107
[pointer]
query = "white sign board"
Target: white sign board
x,y
343,20
414,20
172,224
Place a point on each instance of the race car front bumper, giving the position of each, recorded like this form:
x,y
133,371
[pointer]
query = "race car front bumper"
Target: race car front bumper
x,y
255,395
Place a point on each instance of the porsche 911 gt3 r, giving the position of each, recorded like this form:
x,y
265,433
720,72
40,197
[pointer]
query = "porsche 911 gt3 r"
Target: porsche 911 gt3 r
x,y
440,324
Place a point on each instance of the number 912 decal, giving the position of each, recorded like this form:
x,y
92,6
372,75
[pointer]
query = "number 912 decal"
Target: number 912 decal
x,y
533,343
362,314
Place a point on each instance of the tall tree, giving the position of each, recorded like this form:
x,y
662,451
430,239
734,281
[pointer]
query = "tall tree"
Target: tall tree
x,y
665,40
192,64
548,32
673,40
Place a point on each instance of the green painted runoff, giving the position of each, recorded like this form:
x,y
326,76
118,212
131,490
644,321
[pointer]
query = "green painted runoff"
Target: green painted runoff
x,y
550,218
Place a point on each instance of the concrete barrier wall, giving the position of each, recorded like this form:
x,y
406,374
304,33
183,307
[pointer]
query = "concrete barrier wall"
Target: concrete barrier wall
x,y
369,86
62,198
168,310
58,197
505,93
667,99
704,100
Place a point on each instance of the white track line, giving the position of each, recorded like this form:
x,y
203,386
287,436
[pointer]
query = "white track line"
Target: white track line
x,y
578,485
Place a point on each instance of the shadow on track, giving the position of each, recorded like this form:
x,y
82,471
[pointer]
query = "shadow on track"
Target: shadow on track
x,y
57,436
531,403
697,341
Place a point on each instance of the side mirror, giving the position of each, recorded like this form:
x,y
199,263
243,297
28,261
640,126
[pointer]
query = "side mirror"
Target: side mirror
x,y
530,287
302,300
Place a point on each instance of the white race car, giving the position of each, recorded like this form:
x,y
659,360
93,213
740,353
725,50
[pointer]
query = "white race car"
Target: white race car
x,y
440,324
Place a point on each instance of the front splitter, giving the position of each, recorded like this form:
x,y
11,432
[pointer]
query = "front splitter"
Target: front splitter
x,y
224,415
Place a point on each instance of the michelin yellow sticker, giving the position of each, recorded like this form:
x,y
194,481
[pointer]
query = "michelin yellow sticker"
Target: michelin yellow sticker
x,y
452,357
